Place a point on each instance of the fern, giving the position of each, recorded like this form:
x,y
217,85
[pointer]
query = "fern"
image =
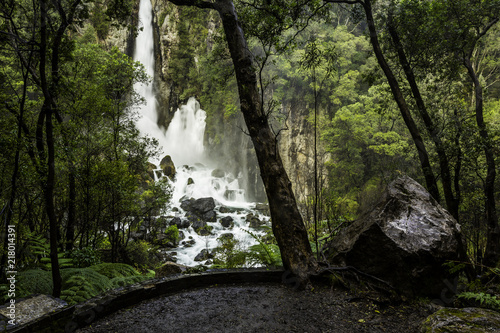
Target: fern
x,y
114,270
80,284
124,281
262,253
486,300
34,281
40,247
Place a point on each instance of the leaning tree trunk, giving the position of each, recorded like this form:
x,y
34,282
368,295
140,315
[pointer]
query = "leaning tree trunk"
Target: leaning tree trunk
x,y
287,223
492,252
423,156
450,199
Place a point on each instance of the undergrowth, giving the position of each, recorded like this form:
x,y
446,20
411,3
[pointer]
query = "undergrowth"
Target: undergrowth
x,y
78,284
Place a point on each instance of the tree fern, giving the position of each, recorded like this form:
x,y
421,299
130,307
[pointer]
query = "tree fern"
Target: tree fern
x,y
34,281
80,284
122,281
114,270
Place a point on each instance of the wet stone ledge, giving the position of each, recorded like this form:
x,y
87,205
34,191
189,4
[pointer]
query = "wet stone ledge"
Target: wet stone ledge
x,y
69,319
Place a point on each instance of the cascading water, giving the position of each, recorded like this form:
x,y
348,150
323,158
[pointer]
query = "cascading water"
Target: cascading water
x,y
195,178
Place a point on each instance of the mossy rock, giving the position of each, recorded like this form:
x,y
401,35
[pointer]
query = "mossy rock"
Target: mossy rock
x,y
470,320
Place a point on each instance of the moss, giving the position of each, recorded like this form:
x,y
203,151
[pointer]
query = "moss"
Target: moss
x,y
453,320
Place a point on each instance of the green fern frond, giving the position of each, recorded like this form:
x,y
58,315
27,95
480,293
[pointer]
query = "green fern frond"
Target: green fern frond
x,y
486,300
111,270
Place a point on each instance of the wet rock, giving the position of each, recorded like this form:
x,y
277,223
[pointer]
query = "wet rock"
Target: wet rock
x,y
168,167
227,222
218,173
163,255
263,208
180,223
197,225
169,268
188,243
453,320
198,206
190,181
205,231
210,216
203,255
404,240
151,170
202,209
225,237
254,221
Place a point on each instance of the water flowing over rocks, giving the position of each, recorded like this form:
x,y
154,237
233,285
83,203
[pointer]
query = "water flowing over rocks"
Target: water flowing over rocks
x,y
404,240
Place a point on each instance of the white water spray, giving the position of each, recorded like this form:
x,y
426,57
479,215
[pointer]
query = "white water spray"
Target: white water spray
x,y
183,141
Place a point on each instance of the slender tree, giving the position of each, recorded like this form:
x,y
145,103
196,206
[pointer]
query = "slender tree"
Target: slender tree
x,y
287,223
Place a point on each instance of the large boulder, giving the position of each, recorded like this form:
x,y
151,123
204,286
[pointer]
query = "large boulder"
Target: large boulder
x,y
462,320
202,208
404,240
169,268
168,167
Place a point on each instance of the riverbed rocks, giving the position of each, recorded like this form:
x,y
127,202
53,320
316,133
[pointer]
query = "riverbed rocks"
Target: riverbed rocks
x,y
404,240
463,320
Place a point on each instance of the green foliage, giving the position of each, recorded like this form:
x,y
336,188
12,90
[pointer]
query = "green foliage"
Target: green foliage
x,y
172,233
113,270
126,280
34,281
142,254
263,253
80,284
228,254
485,300
39,247
85,257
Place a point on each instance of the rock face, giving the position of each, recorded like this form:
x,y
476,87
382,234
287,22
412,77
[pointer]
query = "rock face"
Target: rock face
x,y
404,240
462,320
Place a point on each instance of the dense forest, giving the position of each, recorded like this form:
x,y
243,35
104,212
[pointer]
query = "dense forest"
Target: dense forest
x,y
382,88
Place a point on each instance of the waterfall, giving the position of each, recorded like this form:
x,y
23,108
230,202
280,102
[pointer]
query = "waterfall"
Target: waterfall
x,y
144,53
195,177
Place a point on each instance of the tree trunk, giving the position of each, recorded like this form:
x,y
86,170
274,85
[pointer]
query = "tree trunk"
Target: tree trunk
x,y
492,252
450,199
287,223
430,180
48,185
288,226
70,228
